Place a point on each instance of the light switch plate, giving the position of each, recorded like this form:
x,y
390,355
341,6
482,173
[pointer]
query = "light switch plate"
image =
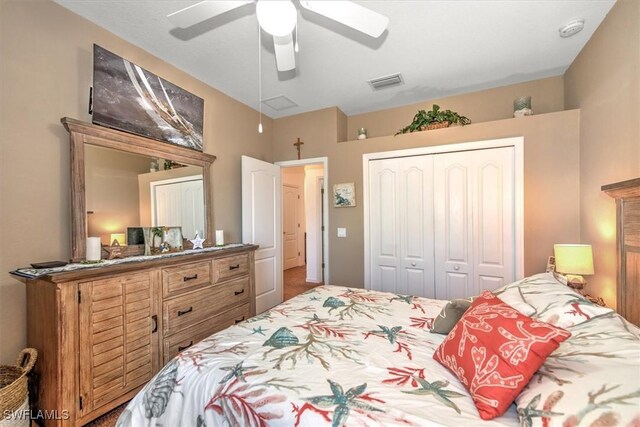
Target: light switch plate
x,y
342,232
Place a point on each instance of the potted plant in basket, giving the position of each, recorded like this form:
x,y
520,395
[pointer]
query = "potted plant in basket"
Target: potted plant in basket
x,y
434,119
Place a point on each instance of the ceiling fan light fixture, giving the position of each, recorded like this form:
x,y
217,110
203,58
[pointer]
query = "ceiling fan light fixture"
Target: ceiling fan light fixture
x,y
277,17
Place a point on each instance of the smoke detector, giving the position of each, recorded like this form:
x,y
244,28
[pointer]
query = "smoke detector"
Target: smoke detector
x,y
572,28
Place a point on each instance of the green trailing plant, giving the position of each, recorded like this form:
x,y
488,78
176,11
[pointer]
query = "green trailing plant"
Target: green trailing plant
x,y
423,118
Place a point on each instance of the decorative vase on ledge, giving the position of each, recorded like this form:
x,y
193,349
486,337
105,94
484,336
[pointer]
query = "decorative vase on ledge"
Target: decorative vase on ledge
x,y
522,107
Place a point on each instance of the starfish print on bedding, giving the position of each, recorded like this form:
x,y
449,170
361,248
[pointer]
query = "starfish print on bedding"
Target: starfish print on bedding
x,y
394,335
409,299
236,371
437,390
344,402
259,330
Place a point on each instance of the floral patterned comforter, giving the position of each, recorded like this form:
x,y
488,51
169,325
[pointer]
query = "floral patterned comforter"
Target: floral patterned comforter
x,y
332,356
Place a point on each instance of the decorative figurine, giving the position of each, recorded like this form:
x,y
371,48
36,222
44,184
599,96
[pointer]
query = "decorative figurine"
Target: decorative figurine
x,y
197,242
114,251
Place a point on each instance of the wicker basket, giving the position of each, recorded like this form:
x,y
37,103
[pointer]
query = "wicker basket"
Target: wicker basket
x,y
14,392
439,125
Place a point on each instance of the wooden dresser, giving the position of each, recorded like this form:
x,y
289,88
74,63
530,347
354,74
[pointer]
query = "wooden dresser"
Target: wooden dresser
x,y
102,333
627,195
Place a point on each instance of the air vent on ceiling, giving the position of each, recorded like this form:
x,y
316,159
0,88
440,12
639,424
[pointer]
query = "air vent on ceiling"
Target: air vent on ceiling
x,y
386,81
279,103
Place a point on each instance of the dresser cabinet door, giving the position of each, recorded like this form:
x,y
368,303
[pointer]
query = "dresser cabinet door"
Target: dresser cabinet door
x,y
118,337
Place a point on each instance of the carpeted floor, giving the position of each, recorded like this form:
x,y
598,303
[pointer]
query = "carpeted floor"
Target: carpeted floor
x,y
295,282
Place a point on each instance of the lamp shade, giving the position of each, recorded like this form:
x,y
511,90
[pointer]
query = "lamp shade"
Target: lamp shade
x,y
573,259
119,237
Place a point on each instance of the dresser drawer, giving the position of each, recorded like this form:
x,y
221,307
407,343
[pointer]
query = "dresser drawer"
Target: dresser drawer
x,y
183,278
186,310
194,334
230,267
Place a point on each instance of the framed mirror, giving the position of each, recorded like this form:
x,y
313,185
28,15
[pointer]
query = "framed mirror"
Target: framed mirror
x,y
120,182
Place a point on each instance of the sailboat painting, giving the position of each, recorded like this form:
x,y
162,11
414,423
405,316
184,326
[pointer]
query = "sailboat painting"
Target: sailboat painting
x,y
129,98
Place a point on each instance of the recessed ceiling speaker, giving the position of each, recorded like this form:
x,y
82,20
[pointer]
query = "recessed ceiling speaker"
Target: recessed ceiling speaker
x,y
573,27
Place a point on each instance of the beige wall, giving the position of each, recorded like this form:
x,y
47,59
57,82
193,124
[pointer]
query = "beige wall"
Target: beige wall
x,y
604,82
551,177
46,70
547,96
111,187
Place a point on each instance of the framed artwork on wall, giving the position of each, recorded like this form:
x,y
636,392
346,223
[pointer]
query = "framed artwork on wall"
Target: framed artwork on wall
x,y
344,195
129,98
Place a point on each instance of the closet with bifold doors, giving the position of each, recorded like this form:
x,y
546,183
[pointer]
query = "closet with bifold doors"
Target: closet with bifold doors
x,y
444,222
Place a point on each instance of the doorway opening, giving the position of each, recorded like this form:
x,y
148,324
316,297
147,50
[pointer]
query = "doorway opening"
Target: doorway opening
x,y
304,215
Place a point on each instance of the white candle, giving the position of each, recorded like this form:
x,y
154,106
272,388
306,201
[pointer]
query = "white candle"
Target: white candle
x,y
219,237
94,248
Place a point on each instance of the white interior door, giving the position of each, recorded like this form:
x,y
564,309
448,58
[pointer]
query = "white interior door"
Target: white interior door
x,y
474,205
290,225
179,202
401,221
262,225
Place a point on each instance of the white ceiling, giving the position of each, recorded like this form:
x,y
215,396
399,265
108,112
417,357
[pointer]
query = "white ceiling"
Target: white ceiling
x,y
441,47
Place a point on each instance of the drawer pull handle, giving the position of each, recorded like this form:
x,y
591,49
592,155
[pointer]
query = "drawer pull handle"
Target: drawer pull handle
x,y
180,348
239,292
239,320
187,278
234,267
183,312
154,320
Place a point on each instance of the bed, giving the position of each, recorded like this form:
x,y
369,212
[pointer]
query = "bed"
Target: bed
x,y
341,356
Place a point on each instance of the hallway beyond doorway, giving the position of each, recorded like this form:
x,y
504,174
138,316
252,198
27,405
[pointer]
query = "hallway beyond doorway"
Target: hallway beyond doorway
x,y
294,282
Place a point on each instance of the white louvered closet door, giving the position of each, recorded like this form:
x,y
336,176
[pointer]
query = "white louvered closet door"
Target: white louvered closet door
x,y
401,221
475,223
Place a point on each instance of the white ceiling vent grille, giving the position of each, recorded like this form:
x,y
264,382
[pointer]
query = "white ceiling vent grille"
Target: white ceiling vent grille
x,y
386,81
279,103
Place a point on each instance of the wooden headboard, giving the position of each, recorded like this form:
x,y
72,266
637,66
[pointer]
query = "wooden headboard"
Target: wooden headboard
x,y
627,195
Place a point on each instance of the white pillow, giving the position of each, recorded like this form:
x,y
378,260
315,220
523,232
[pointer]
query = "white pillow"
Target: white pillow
x,y
513,297
590,380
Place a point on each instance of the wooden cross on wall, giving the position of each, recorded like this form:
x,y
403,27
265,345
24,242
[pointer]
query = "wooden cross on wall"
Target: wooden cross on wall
x,y
298,145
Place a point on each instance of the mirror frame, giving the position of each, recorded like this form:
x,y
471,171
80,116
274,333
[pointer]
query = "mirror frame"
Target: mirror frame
x,y
81,133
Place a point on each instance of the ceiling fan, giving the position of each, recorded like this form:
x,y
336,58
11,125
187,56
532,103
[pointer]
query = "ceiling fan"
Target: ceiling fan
x,y
279,18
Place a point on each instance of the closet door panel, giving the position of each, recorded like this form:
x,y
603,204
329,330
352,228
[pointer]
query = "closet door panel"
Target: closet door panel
x,y
416,226
385,233
494,218
453,225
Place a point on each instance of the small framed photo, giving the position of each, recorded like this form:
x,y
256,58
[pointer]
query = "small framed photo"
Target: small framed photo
x,y
344,195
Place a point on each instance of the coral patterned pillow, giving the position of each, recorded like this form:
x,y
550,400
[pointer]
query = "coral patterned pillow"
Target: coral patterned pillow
x,y
494,350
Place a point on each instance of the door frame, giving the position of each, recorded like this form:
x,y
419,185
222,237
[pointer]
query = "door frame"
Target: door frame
x,y
516,142
154,184
324,161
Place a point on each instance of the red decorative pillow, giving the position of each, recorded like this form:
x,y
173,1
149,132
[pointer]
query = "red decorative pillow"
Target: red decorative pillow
x,y
494,350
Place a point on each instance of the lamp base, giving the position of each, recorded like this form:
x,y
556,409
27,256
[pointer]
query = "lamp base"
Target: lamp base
x,y
576,282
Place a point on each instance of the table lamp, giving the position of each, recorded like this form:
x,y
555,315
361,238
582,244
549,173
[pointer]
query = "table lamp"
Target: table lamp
x,y
573,261
117,239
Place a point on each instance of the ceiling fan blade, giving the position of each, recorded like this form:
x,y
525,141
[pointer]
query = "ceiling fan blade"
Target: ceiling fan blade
x,y
285,55
202,11
350,14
